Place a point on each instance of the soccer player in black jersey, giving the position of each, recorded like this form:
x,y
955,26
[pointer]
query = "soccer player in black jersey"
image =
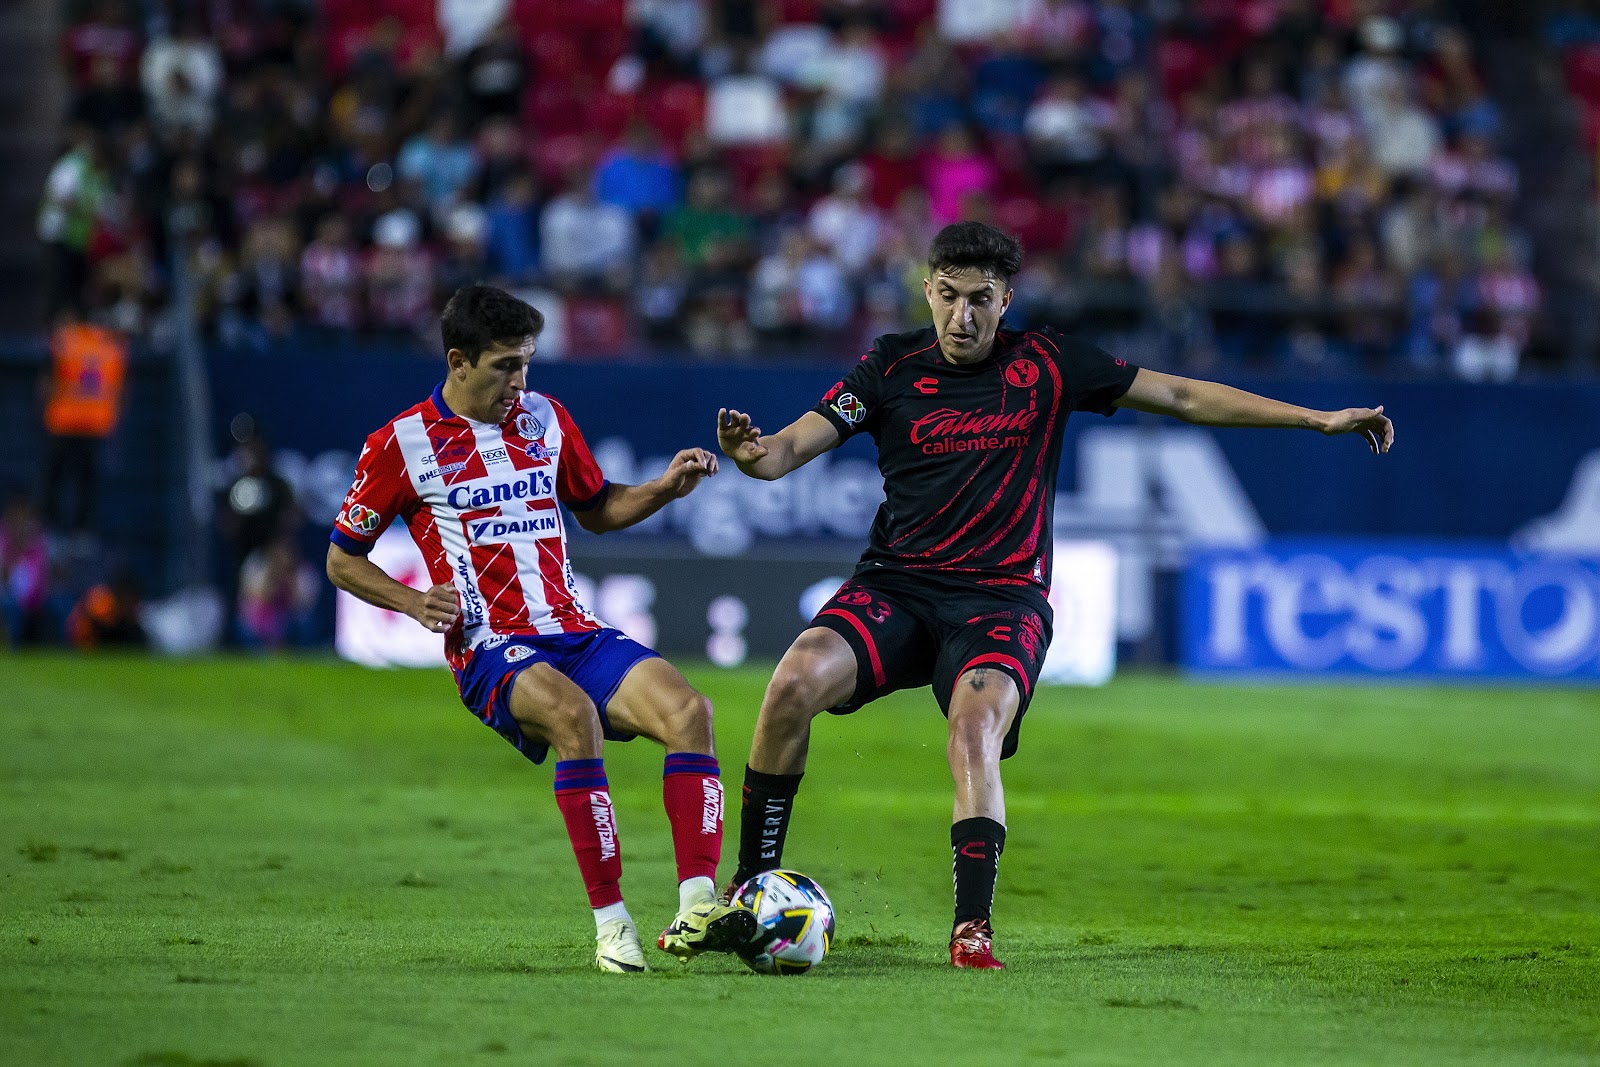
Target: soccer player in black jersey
x,y
952,588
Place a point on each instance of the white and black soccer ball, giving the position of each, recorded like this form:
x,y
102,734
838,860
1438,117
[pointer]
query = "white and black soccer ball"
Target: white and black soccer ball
x,y
796,917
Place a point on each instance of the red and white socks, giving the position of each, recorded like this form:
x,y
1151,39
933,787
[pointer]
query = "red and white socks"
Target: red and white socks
x,y
584,797
691,790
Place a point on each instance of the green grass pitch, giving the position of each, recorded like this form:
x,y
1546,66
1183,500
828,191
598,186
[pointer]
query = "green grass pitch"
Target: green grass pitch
x,y
291,862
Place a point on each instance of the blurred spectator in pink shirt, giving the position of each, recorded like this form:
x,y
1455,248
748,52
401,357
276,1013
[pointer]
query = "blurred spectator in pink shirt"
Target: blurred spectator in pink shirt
x,y
277,596
399,275
24,572
955,169
330,277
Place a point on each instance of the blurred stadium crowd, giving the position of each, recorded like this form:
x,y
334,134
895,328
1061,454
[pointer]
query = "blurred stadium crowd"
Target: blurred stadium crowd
x,y
1302,186
1314,185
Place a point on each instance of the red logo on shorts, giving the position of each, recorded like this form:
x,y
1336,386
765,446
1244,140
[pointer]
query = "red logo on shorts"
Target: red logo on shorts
x,y
856,598
1022,373
1031,635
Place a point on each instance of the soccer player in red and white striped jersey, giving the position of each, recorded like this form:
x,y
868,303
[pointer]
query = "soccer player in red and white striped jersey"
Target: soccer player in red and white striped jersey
x,y
476,472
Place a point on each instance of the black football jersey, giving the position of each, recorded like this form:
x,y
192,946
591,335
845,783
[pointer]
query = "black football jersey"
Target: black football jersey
x,y
969,453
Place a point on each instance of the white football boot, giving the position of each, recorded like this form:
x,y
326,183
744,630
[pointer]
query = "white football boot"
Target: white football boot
x,y
617,948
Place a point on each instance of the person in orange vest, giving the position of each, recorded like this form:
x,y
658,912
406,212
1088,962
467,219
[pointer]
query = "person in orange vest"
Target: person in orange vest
x,y
107,614
83,397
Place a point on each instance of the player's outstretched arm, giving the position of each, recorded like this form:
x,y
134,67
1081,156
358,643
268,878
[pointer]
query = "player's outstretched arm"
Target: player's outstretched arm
x,y
1214,404
624,505
770,458
437,609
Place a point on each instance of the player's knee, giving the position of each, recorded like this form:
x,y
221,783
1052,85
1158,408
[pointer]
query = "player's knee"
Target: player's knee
x,y
977,731
688,722
810,678
795,693
571,725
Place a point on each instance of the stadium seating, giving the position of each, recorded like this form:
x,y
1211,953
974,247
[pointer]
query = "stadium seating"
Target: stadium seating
x,y
1172,138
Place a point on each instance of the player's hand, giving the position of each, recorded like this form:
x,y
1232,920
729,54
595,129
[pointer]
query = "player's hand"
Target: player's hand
x,y
686,471
739,441
1371,423
438,609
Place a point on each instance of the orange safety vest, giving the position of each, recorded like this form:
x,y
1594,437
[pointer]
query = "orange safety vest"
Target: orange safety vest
x,y
89,364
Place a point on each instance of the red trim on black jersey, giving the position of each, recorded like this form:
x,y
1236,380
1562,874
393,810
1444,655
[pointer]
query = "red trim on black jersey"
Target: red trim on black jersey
x,y
907,356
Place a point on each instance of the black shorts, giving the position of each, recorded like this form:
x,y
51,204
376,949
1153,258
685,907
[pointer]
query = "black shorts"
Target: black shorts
x,y
910,630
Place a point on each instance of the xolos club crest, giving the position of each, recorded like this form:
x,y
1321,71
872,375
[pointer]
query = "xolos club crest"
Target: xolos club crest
x,y
1022,373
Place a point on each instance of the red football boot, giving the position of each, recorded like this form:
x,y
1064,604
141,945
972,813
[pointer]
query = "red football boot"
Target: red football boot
x,y
972,945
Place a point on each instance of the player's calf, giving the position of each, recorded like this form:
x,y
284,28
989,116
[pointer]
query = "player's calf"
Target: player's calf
x,y
816,673
691,792
981,710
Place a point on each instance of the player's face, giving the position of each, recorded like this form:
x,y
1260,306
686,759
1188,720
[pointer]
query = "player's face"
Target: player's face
x,y
493,384
967,305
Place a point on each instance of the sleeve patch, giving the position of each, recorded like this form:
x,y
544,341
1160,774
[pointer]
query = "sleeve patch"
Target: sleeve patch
x,y
849,408
362,518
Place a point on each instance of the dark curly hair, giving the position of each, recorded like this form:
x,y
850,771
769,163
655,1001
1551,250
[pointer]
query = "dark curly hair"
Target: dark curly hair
x,y
962,245
481,316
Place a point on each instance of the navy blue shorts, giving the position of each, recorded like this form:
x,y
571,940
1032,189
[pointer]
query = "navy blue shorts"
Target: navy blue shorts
x,y
597,660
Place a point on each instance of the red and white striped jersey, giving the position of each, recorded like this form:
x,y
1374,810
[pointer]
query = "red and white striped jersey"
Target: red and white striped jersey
x,y
480,501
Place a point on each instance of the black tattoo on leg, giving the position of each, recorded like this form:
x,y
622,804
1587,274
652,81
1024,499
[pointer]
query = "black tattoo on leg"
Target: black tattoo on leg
x,y
977,677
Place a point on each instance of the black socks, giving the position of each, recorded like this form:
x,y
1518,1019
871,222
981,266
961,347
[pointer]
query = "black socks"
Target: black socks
x,y
764,821
977,844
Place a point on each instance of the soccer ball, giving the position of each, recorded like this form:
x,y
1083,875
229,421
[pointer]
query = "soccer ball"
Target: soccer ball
x,y
797,917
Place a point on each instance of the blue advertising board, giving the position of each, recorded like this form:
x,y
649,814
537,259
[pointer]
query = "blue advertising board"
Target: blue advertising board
x,y
1391,609
1516,464
1471,460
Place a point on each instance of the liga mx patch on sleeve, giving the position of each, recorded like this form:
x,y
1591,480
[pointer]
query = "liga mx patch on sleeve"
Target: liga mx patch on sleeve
x,y
362,518
850,408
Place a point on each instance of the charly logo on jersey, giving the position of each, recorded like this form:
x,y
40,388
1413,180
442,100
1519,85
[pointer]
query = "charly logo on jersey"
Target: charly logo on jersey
x,y
534,485
850,408
530,427
360,517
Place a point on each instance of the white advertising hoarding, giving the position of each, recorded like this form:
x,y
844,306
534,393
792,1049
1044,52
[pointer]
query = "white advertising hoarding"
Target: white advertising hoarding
x,y
378,638
1083,592
658,603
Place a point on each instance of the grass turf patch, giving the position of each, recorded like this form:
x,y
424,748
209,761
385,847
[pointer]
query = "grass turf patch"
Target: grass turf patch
x,y
278,862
